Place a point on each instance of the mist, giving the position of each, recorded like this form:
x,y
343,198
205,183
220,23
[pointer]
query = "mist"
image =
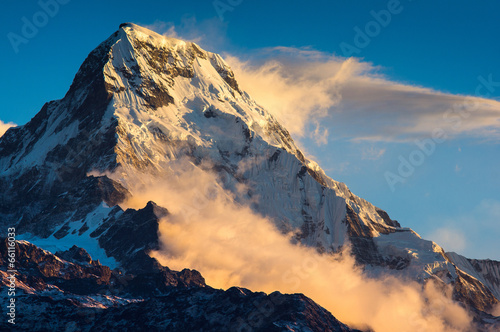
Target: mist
x,y
231,245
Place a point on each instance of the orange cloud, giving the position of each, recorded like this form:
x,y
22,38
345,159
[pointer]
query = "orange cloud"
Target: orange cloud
x,y
5,126
304,89
230,245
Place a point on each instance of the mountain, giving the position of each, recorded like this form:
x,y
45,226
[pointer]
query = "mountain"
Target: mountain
x,y
141,101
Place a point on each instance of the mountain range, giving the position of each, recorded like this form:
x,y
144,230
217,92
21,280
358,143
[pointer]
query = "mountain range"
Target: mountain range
x,y
147,111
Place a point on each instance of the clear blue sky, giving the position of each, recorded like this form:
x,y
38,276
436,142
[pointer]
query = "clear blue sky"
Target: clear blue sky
x,y
441,45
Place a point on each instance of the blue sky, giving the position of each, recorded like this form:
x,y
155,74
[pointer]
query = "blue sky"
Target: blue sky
x,y
421,62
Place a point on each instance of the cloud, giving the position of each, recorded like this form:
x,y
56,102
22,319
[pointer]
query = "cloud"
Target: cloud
x,y
231,245
163,28
449,238
4,126
208,33
372,153
473,234
352,99
300,95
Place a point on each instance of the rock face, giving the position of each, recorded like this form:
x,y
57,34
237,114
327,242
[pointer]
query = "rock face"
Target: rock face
x,y
75,272
71,292
141,101
482,273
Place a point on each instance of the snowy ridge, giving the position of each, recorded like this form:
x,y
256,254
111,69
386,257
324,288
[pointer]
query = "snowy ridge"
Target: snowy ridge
x,y
486,271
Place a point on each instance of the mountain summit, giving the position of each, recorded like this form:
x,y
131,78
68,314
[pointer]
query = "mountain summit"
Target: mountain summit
x,y
141,100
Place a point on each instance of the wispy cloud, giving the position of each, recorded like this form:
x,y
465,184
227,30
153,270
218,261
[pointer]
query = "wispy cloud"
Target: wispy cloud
x,y
350,98
163,28
5,126
449,238
295,90
372,153
208,33
472,234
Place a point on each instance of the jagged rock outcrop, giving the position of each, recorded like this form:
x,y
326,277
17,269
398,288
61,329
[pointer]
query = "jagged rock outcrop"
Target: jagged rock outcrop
x,y
71,292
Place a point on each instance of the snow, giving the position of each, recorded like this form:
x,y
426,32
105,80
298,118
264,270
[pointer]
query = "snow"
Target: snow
x,y
91,245
487,268
102,301
36,155
426,257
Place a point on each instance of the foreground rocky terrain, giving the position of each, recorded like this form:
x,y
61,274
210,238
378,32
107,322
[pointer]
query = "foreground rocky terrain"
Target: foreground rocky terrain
x,y
69,291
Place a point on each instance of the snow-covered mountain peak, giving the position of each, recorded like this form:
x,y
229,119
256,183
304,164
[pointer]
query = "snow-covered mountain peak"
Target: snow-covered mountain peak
x,y
139,102
165,89
141,99
135,31
167,56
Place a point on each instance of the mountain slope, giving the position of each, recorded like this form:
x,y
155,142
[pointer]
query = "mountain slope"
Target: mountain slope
x,y
141,101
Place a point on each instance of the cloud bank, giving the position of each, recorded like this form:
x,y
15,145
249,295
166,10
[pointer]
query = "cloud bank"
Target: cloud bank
x,y
233,246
